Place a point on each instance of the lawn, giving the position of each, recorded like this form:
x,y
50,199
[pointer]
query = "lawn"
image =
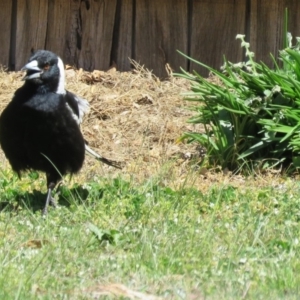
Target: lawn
x,y
161,228
114,239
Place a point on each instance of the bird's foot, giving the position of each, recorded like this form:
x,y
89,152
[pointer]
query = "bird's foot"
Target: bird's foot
x,y
52,202
49,200
45,211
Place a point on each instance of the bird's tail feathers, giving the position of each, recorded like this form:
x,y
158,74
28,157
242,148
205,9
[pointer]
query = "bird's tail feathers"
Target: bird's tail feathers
x,y
113,163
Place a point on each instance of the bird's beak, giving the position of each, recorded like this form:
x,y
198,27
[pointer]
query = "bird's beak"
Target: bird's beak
x,y
33,70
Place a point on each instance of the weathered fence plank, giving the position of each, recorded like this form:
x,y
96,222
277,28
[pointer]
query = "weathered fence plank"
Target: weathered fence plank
x,y
293,7
267,25
266,28
123,34
31,28
61,20
215,25
5,25
161,29
97,20
93,33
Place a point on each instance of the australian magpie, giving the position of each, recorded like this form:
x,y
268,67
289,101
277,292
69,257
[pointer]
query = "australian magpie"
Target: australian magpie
x,y
39,128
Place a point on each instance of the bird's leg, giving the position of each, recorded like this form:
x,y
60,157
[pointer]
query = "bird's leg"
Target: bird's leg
x,y
49,198
45,210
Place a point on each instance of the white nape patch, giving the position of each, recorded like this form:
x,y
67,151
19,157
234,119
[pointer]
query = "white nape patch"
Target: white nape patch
x,y
83,105
61,84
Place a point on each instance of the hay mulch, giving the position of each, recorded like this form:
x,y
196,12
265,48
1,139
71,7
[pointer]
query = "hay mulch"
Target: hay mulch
x,y
137,119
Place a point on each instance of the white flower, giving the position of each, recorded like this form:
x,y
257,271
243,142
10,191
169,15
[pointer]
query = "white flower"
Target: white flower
x,y
240,36
245,44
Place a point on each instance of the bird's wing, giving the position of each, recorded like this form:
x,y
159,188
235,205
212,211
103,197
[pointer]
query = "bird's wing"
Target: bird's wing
x,y
77,105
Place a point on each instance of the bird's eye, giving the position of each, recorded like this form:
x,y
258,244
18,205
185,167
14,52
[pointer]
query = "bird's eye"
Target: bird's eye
x,y
46,67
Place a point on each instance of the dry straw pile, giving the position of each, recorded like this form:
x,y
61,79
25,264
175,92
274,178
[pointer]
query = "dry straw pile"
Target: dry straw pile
x,y
134,117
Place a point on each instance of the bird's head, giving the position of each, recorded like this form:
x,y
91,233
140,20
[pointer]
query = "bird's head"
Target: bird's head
x,y
45,68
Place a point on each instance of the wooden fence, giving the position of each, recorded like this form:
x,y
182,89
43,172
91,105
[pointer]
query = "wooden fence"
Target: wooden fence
x,y
93,33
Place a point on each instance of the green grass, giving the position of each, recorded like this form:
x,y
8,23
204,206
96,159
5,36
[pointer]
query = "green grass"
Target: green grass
x,y
227,243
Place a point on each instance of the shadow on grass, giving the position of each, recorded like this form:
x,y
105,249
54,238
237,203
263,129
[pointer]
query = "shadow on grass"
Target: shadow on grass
x,y
35,200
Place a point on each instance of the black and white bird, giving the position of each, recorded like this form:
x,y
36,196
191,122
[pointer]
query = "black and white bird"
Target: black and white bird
x,y
39,129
